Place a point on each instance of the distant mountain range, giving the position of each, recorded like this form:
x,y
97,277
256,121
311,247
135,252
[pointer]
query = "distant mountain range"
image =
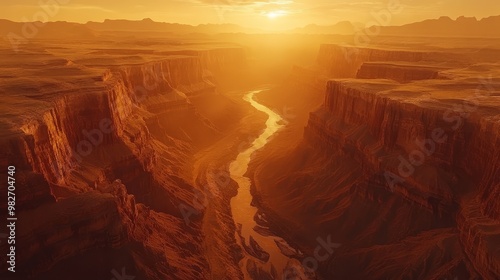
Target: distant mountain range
x,y
19,31
445,26
150,25
442,27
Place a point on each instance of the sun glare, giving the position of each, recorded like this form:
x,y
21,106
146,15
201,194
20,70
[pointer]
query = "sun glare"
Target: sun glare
x,y
275,14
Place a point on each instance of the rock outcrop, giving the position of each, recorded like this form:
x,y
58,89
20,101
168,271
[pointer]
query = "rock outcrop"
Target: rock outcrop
x,y
345,61
400,73
401,159
55,231
135,125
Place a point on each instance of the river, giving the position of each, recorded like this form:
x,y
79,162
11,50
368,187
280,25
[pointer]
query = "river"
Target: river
x,y
242,210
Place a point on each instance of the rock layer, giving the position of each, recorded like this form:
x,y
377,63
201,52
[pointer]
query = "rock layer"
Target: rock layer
x,y
399,73
403,155
135,125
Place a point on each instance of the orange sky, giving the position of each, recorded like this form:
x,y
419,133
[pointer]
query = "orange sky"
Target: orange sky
x,y
265,14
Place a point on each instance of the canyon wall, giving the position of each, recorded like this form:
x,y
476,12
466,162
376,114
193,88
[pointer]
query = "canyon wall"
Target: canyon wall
x,y
385,126
345,61
136,123
223,66
403,153
448,155
401,73
56,231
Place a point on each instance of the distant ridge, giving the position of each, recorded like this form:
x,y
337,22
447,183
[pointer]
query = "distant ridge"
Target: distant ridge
x,y
447,27
441,27
49,30
148,24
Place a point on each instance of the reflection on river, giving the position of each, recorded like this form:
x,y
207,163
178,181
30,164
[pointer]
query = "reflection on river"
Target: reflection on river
x,y
261,252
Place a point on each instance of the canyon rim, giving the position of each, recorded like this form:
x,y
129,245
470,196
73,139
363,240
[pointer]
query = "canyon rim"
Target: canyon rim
x,y
256,140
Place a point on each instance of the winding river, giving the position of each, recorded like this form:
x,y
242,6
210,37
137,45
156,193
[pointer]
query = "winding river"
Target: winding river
x,y
242,210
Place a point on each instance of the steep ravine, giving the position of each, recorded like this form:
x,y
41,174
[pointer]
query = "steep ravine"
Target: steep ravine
x,y
132,166
263,256
437,222
133,128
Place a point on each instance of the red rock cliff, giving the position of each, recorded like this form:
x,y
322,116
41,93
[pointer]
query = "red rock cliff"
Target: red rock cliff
x,y
136,123
399,164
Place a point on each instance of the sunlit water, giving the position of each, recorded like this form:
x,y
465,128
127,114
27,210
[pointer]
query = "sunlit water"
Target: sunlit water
x,y
242,210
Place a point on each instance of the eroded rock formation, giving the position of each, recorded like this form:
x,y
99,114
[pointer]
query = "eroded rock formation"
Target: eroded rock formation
x,y
400,163
401,73
99,159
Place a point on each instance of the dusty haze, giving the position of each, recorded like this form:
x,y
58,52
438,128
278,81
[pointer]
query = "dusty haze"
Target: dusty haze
x,y
252,140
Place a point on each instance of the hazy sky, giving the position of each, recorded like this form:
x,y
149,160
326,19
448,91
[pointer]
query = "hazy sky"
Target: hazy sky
x,y
270,14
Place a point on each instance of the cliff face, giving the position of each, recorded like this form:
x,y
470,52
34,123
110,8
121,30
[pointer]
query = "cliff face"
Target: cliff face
x,y
37,188
478,234
126,110
397,158
106,219
184,73
136,123
51,142
377,129
399,73
223,59
345,61
56,231
385,124
392,118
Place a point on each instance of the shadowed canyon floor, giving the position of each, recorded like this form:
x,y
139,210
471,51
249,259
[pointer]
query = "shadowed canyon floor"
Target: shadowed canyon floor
x,y
185,158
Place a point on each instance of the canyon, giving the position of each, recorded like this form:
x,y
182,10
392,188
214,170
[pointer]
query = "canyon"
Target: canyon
x,y
99,152
242,157
399,164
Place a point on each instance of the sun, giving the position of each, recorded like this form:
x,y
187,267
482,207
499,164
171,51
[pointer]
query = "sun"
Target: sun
x,y
275,14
